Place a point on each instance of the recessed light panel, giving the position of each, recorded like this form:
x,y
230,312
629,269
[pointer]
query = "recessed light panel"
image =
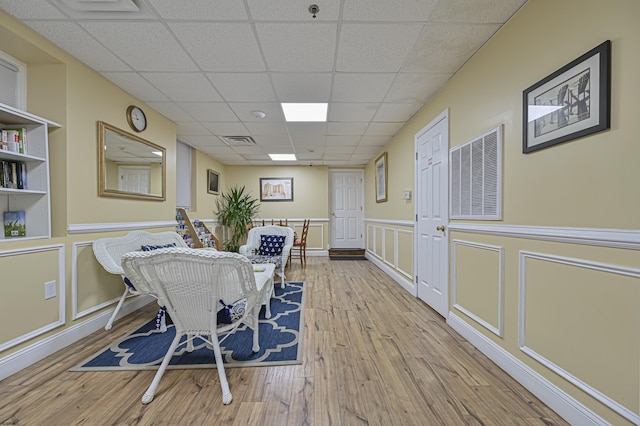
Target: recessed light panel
x,y
305,111
283,157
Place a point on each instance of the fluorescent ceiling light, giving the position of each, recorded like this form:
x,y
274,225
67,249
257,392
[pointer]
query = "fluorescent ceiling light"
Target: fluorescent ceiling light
x,y
158,153
305,112
283,157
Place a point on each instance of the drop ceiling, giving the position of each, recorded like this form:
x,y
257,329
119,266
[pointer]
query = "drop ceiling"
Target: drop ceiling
x,y
208,65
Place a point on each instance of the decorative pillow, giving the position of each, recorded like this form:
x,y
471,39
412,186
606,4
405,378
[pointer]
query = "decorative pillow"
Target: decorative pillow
x,y
271,245
231,313
150,248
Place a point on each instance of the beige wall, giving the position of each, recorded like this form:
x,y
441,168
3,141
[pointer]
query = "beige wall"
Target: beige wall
x,y
579,300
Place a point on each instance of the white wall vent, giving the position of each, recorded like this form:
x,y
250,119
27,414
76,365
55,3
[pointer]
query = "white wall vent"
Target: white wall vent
x,y
476,178
238,140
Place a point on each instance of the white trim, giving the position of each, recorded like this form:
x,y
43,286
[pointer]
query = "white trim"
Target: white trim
x,y
618,238
499,330
87,228
559,401
408,223
409,275
614,405
31,354
407,285
61,295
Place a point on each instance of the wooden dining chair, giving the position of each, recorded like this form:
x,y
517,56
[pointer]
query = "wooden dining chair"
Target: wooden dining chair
x,y
299,248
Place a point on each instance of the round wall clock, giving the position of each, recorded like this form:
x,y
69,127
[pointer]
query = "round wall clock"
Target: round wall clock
x,y
136,118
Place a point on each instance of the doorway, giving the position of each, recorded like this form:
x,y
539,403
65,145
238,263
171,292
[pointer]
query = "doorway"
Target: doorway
x,y
432,214
346,209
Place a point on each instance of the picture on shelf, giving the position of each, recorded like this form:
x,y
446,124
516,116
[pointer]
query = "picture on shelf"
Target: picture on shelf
x,y
15,224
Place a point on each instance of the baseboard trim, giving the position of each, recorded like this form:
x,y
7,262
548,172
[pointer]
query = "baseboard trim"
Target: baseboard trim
x,y
31,354
407,285
555,398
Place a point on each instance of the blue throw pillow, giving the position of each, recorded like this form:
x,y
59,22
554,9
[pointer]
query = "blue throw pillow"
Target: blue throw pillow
x,y
271,245
150,248
233,312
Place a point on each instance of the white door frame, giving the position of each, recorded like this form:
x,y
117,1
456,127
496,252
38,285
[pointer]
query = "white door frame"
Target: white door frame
x,y
360,173
416,203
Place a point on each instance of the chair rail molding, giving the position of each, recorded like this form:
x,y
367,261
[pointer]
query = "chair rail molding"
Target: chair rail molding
x,y
88,228
409,223
618,238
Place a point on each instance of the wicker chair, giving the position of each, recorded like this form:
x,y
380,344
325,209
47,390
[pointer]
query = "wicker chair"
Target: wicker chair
x,y
109,252
254,241
191,283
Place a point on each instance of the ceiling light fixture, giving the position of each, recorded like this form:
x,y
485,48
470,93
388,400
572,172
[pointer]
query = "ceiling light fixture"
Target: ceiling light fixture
x,y
305,111
258,114
283,157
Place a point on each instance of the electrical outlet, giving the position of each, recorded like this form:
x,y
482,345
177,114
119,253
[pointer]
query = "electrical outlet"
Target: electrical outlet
x,y
49,290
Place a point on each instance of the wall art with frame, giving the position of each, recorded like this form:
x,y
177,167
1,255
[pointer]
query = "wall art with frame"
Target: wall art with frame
x,y
570,103
381,178
276,189
213,182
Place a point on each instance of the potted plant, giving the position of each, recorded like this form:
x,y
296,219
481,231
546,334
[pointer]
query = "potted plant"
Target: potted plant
x,y
236,209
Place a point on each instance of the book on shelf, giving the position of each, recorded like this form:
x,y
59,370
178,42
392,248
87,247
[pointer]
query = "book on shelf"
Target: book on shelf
x,y
13,174
15,224
17,140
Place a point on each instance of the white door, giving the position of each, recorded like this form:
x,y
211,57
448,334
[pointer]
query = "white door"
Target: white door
x,y
134,179
347,206
432,214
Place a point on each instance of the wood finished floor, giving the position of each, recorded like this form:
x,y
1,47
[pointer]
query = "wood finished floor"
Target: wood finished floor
x,y
373,354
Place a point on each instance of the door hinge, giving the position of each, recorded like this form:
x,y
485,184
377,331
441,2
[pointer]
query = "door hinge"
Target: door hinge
x,y
416,217
416,156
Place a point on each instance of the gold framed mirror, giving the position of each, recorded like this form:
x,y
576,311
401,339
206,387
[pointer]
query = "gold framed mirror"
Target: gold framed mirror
x,y
129,166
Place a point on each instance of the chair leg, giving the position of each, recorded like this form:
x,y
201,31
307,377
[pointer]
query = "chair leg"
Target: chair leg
x,y
148,395
224,384
256,327
115,312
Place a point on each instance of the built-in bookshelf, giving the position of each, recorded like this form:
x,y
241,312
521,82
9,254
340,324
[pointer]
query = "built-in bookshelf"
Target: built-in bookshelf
x,y
24,185
195,233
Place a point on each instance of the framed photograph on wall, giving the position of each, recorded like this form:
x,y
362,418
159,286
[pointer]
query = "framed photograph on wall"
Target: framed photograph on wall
x,y
381,178
213,182
571,103
276,189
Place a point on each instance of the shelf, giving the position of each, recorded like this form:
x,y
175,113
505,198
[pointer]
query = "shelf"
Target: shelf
x,y
195,233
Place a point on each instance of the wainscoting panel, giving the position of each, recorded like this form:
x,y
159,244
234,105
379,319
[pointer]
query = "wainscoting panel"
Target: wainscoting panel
x,y
404,253
575,316
93,288
389,245
389,253
478,283
24,311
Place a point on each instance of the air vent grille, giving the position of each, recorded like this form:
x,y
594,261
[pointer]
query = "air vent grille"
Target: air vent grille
x,y
238,140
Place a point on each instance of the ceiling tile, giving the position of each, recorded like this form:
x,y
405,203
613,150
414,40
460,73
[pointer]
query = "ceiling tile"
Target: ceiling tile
x,y
416,88
375,47
72,38
184,87
373,141
347,128
302,87
221,47
226,128
209,111
243,87
214,10
383,129
308,140
171,110
144,46
358,87
293,10
32,9
342,140
444,48
208,141
192,129
388,10
266,128
476,11
243,110
307,128
341,111
298,47
137,86
390,112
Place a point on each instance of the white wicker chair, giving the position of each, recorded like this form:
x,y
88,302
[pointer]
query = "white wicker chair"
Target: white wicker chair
x,y
253,244
190,283
109,252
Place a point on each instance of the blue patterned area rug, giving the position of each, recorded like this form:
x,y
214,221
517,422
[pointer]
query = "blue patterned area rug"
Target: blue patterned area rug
x,y
280,342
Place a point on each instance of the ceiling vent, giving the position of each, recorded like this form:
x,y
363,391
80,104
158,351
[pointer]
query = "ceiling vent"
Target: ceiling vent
x,y
105,9
238,140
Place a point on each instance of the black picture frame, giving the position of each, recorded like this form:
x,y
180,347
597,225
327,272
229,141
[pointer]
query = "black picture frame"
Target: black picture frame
x,y
213,182
276,189
570,103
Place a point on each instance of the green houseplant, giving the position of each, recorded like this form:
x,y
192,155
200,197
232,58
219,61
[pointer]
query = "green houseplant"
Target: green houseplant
x,y
236,209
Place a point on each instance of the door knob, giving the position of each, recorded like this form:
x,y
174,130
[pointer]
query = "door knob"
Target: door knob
x,y
440,228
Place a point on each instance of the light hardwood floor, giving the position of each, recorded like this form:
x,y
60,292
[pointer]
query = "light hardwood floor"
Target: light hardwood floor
x,y
373,354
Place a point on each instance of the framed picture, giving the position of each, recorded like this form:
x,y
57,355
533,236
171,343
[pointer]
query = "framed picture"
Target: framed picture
x,y
276,189
571,103
213,182
381,178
